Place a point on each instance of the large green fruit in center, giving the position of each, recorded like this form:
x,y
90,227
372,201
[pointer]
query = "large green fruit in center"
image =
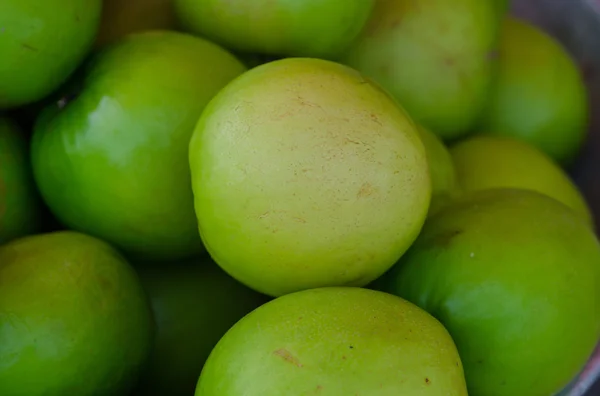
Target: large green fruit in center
x,y
305,175
335,342
514,276
74,319
41,43
112,162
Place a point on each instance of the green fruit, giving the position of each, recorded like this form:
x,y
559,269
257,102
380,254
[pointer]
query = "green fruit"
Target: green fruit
x,y
194,304
305,175
40,46
310,28
335,342
484,162
539,95
433,56
74,319
515,277
444,186
19,202
113,161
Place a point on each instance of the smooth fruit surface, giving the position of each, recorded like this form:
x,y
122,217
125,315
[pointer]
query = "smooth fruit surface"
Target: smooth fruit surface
x,y
41,47
434,56
306,175
194,304
311,28
112,162
539,95
335,342
484,162
515,278
19,202
120,18
444,185
74,319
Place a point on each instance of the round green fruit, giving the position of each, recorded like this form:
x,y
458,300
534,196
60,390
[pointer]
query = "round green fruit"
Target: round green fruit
x,y
310,28
335,342
515,278
433,56
539,95
40,46
306,175
20,212
112,162
194,304
74,319
485,162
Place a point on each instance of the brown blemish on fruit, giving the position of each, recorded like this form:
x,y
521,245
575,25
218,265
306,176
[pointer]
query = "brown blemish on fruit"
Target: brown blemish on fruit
x,y
366,190
288,357
319,389
375,119
427,381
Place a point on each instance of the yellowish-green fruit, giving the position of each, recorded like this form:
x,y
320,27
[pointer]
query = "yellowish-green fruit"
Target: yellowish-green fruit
x,y
306,175
310,28
539,95
485,162
112,160
444,186
335,342
74,319
41,44
514,276
194,304
20,212
434,56
122,17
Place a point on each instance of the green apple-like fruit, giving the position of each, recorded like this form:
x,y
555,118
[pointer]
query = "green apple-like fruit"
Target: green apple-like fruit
x,y
433,56
41,44
484,162
444,186
335,342
194,304
74,319
539,95
112,162
20,212
120,18
310,28
306,175
514,275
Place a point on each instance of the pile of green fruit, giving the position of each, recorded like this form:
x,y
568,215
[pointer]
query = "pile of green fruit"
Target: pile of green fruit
x,y
290,197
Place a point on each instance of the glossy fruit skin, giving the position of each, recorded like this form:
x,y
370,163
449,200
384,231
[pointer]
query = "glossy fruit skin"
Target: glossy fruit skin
x,y
515,278
41,47
74,319
306,175
113,162
484,162
539,95
308,28
436,57
120,18
20,212
335,342
194,304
